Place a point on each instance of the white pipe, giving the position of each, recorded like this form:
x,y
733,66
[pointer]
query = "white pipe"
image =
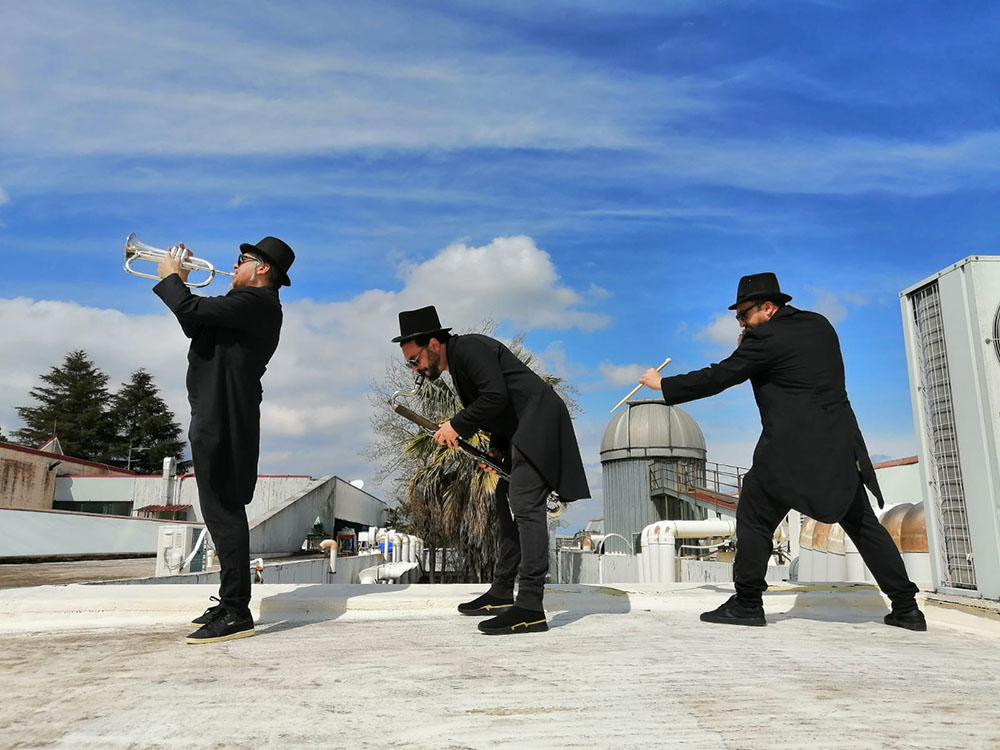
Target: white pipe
x,y
404,552
661,540
330,544
644,556
385,572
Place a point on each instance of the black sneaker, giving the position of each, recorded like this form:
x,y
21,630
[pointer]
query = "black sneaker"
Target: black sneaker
x,y
735,612
911,619
515,620
225,625
206,617
487,604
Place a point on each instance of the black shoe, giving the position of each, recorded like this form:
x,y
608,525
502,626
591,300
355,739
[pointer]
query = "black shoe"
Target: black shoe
x,y
515,620
911,619
487,604
206,617
225,625
735,612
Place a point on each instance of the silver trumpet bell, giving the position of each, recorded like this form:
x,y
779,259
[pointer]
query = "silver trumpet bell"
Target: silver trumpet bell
x,y
136,250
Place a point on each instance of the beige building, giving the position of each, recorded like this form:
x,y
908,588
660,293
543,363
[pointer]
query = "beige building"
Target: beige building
x,y
28,476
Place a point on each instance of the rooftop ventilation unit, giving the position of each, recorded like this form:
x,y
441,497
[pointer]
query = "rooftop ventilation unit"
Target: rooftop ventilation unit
x,y
951,325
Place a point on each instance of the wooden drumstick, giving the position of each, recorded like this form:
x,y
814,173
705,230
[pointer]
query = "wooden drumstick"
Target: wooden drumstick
x,y
636,389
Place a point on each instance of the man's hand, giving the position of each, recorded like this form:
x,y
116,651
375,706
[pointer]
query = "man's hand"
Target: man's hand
x,y
171,263
446,435
651,378
496,456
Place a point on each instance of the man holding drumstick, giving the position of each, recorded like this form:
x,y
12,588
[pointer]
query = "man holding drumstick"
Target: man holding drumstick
x,y
810,457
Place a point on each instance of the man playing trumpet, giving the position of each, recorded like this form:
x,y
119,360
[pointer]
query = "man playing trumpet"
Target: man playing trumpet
x,y
232,340
531,433
810,457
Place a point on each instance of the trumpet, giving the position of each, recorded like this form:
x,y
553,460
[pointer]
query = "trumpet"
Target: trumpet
x,y
554,505
136,250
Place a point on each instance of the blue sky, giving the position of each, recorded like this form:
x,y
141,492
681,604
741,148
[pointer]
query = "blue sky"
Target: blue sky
x,y
595,175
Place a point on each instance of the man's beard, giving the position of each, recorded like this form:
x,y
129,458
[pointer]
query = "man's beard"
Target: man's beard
x,y
433,370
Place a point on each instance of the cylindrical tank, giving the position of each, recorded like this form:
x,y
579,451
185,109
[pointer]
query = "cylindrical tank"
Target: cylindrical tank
x,y
913,544
806,555
821,538
836,562
857,572
892,519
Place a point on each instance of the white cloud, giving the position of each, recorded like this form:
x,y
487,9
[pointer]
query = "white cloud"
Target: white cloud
x,y
418,80
376,78
556,361
4,198
613,375
829,305
833,306
723,331
315,415
835,165
508,279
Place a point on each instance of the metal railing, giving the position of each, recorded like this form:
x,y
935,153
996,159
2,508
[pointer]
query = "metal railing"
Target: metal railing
x,y
671,477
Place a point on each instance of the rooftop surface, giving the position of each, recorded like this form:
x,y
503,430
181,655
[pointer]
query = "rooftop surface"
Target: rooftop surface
x,y
395,666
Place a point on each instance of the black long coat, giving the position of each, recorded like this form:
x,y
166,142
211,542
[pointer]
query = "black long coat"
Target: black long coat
x,y
810,450
232,340
505,398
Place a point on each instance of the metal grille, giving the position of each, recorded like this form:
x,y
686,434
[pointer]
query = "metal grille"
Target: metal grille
x,y
939,415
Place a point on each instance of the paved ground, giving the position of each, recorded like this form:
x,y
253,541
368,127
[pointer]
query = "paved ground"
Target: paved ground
x,y
17,575
105,667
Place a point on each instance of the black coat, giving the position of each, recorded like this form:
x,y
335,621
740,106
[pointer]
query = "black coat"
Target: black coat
x,y
232,340
505,398
810,451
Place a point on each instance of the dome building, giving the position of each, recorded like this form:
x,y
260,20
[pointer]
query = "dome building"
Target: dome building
x,y
650,454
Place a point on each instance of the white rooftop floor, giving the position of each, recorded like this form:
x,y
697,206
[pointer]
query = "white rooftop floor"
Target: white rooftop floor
x,y
106,667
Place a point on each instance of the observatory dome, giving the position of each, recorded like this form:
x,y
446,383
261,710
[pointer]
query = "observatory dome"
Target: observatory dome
x,y
651,429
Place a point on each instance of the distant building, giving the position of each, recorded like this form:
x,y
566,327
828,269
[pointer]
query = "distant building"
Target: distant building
x,y
650,454
28,475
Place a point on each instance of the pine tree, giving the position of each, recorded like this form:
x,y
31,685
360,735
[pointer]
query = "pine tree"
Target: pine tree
x,y
146,432
73,404
3,438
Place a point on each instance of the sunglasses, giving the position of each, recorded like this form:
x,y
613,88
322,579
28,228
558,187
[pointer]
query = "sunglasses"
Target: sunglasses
x,y
742,315
414,361
244,258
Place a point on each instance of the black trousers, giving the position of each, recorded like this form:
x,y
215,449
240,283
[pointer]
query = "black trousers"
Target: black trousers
x,y
523,553
758,515
231,535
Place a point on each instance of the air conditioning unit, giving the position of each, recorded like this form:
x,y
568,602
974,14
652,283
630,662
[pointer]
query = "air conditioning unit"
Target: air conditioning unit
x,y
951,325
173,546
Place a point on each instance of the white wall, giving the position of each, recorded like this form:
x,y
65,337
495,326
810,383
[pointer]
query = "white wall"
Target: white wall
x,y
578,566
357,506
900,484
139,490
32,533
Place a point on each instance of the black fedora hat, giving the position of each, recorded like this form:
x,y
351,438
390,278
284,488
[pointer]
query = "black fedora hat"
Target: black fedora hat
x,y
416,323
762,287
275,252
